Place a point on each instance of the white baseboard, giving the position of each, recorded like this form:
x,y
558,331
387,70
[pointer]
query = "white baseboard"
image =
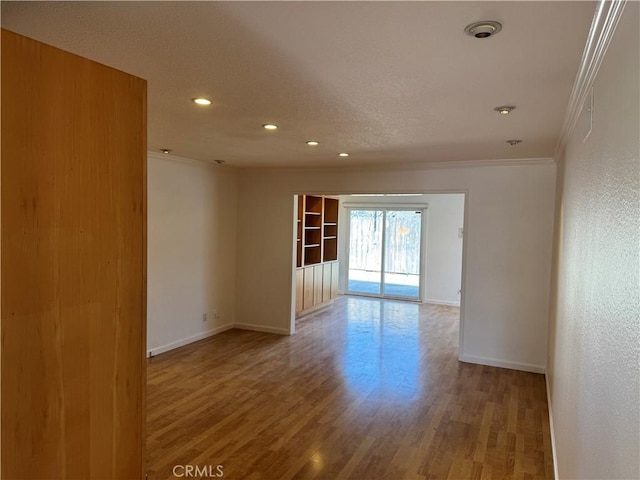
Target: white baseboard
x,y
442,302
553,435
185,341
494,362
261,328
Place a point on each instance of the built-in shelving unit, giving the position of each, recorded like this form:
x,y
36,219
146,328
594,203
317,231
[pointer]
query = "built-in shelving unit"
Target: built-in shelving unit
x,y
313,209
330,230
299,230
317,252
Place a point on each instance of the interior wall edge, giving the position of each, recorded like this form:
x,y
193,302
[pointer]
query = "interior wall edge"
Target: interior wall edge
x,y
261,328
551,427
188,340
496,362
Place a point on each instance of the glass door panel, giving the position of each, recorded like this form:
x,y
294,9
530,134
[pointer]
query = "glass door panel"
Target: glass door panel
x,y
365,251
402,254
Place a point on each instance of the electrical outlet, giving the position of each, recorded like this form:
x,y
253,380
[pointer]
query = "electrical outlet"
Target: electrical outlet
x,y
204,317
460,232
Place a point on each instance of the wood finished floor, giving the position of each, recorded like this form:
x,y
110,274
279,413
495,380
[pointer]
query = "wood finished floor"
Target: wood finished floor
x,y
367,389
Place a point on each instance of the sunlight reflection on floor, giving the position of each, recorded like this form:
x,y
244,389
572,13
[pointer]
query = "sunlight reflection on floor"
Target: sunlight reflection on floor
x,y
382,352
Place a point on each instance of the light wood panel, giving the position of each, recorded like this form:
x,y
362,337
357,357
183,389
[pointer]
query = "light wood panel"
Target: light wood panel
x,y
326,282
366,389
73,265
316,287
317,284
308,289
335,268
299,290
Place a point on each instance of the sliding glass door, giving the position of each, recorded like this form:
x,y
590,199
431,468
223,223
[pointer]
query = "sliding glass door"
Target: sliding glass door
x,y
365,251
402,253
385,252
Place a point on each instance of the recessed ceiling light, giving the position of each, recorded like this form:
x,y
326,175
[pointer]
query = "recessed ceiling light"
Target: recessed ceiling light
x,y
514,142
343,154
201,101
483,29
313,143
165,150
270,126
505,109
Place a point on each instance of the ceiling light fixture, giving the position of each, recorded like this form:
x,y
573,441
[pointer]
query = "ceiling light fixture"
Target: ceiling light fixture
x,y
483,29
514,142
505,110
343,154
270,126
165,150
313,143
201,101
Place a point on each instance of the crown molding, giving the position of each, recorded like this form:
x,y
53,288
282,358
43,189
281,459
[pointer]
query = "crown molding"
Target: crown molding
x,y
603,25
505,162
509,162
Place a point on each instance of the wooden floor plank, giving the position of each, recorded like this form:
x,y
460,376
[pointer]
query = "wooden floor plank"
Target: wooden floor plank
x,y
367,389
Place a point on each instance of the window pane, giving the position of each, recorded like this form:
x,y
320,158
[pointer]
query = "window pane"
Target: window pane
x,y
365,251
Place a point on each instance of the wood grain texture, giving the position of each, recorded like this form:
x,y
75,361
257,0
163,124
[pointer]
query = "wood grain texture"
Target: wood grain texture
x,y
366,389
73,265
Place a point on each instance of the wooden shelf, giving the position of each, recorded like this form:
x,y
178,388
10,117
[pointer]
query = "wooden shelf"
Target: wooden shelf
x,y
317,234
299,230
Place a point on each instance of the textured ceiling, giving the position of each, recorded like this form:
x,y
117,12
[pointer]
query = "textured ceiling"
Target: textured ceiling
x,y
388,82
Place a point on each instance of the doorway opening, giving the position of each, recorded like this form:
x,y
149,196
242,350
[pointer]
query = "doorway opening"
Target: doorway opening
x,y
388,246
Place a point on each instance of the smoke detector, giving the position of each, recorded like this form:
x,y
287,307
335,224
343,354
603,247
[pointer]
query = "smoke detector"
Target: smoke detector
x,y
483,29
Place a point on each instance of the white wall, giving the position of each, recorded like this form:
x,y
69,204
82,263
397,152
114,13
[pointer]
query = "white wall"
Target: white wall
x,y
443,262
508,248
594,341
444,249
192,213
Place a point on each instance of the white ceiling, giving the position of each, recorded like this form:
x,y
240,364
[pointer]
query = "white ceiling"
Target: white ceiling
x,y
385,81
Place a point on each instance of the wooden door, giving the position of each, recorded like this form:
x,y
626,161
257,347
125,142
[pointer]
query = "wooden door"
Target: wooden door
x,y
73,267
